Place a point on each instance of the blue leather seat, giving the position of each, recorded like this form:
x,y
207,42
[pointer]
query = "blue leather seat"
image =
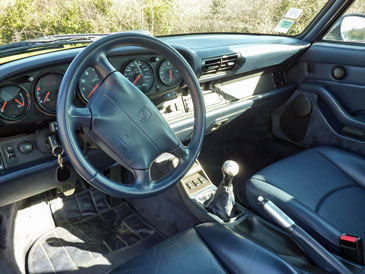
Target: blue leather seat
x,y
322,189
208,248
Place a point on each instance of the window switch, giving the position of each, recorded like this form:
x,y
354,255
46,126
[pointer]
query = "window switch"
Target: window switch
x,y
10,154
190,185
202,180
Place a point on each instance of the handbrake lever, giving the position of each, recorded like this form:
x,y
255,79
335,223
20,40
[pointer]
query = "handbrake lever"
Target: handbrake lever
x,y
307,243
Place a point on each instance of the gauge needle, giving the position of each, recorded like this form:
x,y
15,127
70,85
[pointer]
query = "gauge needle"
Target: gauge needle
x,y
22,104
4,105
45,98
171,74
135,81
91,92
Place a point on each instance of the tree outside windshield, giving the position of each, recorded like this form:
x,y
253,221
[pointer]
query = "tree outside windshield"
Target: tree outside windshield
x,y
28,19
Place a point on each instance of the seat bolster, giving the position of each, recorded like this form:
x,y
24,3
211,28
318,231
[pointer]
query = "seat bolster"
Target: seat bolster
x,y
324,232
240,255
351,164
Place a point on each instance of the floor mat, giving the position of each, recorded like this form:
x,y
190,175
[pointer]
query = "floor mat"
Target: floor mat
x,y
96,244
83,204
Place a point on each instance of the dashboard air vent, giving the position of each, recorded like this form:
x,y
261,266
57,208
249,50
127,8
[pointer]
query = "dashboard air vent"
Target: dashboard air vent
x,y
220,65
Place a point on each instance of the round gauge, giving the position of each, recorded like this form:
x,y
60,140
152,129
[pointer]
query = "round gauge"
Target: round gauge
x,y
14,102
169,74
140,74
46,91
89,82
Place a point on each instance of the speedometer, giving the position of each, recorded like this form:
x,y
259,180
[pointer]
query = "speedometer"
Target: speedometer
x,y
140,73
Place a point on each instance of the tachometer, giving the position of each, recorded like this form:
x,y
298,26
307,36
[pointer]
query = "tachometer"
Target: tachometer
x,y
169,74
89,82
14,102
140,73
46,91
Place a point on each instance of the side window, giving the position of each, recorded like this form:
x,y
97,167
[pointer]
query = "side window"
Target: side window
x,y
351,26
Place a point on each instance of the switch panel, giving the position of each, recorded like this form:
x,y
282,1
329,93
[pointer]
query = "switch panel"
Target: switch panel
x,y
196,181
197,185
22,150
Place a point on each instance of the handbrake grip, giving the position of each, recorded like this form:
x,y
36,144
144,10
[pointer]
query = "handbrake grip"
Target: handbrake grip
x,y
306,242
276,214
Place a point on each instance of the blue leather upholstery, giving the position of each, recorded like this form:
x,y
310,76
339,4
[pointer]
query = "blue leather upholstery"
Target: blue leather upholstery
x,y
322,189
209,248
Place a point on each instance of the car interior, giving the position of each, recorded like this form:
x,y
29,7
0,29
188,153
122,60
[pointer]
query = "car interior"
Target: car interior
x,y
197,153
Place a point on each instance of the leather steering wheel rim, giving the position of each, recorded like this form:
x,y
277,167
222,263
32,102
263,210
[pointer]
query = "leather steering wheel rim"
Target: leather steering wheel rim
x,y
110,108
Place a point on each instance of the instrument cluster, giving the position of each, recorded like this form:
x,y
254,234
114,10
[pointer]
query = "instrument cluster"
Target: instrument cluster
x,y
151,75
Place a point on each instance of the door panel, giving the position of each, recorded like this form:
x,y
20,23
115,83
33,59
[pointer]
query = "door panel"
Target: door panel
x,y
325,109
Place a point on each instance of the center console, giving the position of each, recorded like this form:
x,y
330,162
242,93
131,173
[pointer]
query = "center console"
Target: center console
x,y
197,190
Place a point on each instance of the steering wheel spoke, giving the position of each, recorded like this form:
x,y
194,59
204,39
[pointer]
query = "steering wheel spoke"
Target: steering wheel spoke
x,y
102,66
181,152
143,180
80,116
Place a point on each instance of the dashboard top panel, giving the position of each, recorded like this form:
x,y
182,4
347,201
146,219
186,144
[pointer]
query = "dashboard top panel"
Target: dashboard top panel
x,y
193,47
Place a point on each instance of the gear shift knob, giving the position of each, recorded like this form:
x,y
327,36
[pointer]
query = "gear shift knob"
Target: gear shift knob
x,y
230,170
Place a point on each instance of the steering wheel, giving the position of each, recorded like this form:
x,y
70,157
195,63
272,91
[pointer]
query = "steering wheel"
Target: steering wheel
x,y
123,122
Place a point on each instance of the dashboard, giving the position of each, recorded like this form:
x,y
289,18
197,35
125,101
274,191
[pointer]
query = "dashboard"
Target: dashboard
x,y
236,73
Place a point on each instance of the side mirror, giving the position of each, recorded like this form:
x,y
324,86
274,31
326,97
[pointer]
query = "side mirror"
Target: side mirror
x,y
352,28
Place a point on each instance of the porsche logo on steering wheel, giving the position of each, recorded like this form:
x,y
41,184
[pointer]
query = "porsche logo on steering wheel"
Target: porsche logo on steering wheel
x,y
144,114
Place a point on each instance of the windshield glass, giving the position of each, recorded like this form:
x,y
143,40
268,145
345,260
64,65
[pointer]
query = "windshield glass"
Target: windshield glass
x,y
28,19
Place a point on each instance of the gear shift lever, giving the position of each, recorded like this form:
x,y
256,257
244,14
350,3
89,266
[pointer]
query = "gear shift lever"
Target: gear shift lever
x,y
230,170
222,202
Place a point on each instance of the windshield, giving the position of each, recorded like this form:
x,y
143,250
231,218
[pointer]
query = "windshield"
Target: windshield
x,y
31,27
27,19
